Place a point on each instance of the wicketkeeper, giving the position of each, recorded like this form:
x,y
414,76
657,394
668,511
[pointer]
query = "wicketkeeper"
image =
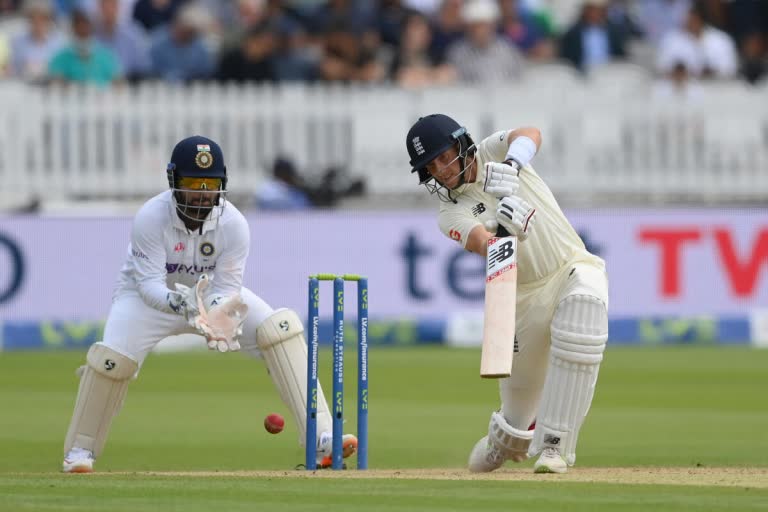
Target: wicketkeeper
x,y
184,274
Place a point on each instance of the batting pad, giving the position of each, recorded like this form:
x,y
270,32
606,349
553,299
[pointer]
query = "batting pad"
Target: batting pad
x,y
281,341
579,333
514,442
103,385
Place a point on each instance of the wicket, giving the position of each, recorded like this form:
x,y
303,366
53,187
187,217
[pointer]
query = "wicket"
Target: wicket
x,y
337,406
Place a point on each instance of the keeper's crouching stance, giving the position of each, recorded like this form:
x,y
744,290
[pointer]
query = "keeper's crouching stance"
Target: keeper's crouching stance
x,y
562,291
183,274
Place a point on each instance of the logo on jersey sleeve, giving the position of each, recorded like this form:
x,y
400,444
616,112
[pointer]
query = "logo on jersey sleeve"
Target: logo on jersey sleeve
x,y
207,249
138,254
455,235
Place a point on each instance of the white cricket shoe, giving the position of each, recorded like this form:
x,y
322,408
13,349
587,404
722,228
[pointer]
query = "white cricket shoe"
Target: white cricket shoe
x,y
550,461
325,448
78,461
485,457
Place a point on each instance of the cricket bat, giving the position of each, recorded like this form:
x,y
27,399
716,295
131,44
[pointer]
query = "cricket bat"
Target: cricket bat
x,y
500,298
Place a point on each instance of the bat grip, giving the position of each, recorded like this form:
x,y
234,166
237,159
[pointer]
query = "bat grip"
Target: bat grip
x,y
501,231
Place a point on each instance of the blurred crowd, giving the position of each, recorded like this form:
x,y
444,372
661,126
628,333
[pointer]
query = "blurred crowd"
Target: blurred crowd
x,y
411,43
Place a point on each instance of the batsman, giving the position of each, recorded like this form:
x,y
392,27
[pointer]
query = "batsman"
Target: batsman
x,y
561,306
183,274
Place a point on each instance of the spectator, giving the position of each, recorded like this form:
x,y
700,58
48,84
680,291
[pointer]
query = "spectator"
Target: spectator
x,y
32,50
254,60
124,10
63,9
330,13
428,8
284,191
659,17
746,17
525,31
84,60
482,55
179,53
5,57
414,66
621,15
754,57
704,50
346,59
593,40
152,14
448,28
296,59
9,6
250,14
125,38
678,85
389,21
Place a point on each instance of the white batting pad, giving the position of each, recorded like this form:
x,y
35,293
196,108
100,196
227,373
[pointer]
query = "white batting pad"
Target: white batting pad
x,y
502,443
281,341
512,441
579,333
103,384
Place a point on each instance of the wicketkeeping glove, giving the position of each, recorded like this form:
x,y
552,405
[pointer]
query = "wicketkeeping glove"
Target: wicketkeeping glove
x,y
516,215
222,324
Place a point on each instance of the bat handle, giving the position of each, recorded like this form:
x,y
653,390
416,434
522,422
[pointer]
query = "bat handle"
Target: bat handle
x,y
501,231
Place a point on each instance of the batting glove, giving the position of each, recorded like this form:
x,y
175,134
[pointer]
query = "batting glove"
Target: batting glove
x,y
502,179
516,216
183,301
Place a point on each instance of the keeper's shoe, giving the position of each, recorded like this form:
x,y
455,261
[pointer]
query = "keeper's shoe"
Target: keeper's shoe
x,y
78,461
325,448
550,461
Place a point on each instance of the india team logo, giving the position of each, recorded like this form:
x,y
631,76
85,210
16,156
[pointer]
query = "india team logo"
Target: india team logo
x,y
207,249
204,159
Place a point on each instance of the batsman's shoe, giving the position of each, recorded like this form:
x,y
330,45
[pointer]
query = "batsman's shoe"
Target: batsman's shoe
x,y
78,461
325,448
503,443
550,461
485,457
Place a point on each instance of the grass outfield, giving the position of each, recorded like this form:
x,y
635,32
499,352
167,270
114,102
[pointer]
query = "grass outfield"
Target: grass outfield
x,y
190,437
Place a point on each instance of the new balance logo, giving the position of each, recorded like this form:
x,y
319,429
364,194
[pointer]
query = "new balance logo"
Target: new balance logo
x,y
478,209
503,252
551,440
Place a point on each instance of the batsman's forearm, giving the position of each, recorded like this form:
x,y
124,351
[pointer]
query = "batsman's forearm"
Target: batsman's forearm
x,y
477,242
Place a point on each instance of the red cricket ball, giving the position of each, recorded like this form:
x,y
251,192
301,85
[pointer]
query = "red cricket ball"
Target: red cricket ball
x,y
274,423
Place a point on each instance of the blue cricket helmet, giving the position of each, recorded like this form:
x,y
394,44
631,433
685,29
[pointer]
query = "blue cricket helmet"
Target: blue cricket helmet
x,y
197,157
429,137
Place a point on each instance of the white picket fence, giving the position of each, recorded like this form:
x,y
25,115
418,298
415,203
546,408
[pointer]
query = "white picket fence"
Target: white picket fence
x,y
603,141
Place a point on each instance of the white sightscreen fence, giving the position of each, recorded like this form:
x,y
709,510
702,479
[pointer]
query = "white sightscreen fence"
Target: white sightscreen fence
x,y
601,144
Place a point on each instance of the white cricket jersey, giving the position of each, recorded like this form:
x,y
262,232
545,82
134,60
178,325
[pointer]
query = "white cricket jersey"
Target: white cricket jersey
x,y
163,252
552,242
